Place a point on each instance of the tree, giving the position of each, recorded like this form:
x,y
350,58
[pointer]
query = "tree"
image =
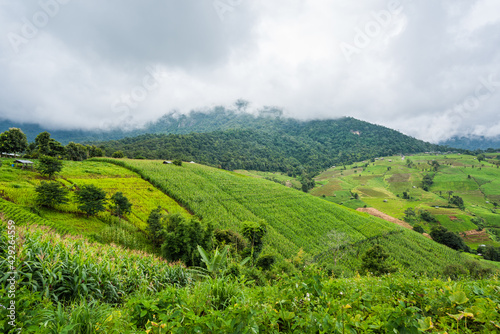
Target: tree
x,y
155,227
49,166
458,201
177,162
76,152
337,241
95,151
427,182
410,216
13,141
120,205
254,232
182,236
91,199
42,143
441,235
480,157
118,155
376,261
51,193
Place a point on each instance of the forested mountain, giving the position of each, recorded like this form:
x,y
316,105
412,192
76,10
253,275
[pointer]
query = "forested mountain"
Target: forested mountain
x,y
473,143
267,142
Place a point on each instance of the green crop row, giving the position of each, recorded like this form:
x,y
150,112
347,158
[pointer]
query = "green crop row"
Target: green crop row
x,y
297,220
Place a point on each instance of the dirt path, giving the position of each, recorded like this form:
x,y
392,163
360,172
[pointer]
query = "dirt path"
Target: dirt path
x,y
376,213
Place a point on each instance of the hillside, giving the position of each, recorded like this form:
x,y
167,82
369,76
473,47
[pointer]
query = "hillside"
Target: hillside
x,y
83,283
381,184
473,143
296,220
269,144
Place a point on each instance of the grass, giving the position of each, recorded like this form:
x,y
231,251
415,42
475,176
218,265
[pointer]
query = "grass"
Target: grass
x,y
295,220
17,186
381,185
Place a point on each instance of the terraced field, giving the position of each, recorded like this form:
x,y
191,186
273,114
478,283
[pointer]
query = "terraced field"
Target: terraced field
x,y
380,184
296,220
18,187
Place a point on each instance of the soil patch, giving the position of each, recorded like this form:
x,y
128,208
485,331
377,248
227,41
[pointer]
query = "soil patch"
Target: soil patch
x,y
377,213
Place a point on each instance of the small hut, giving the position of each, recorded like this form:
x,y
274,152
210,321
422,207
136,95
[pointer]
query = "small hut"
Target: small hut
x,y
24,164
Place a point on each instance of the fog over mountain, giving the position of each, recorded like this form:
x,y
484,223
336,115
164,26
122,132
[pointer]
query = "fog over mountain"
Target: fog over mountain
x,y
430,69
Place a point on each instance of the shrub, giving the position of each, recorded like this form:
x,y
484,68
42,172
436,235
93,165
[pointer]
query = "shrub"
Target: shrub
x,y
118,155
265,262
419,229
376,261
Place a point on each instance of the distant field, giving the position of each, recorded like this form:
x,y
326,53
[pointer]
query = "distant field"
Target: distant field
x,y
381,183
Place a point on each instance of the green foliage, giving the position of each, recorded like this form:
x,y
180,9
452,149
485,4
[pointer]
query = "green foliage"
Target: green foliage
x,y
427,181
95,151
458,201
232,141
155,227
443,236
419,229
120,204
49,166
265,262
254,232
177,162
76,152
215,263
231,238
118,155
181,238
377,261
13,141
44,145
49,194
90,199
427,216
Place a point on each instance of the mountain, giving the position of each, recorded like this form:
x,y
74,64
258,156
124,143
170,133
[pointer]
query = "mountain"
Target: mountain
x,y
271,142
473,143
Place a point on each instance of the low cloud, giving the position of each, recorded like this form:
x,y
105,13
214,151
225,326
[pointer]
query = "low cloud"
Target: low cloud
x,y
413,65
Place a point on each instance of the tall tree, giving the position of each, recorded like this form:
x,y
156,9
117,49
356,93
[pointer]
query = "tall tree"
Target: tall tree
x,y
90,199
13,141
42,142
76,152
155,227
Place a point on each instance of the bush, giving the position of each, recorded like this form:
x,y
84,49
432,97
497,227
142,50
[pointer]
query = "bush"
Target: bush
x,y
265,262
455,271
254,275
177,162
376,261
182,236
118,155
443,236
419,229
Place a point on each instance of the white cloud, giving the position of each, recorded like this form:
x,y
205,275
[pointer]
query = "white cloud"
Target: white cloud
x,y
419,64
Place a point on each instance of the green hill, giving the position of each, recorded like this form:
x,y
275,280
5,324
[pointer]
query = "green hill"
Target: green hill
x,y
83,283
381,184
267,143
296,220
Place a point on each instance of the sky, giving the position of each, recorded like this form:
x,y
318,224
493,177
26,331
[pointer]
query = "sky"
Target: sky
x,y
428,68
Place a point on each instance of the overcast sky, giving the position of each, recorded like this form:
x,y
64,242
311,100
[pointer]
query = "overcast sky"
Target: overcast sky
x,y
428,68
